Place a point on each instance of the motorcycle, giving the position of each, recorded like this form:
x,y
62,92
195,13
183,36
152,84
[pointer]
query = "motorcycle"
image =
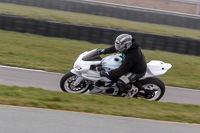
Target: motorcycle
x,y
85,77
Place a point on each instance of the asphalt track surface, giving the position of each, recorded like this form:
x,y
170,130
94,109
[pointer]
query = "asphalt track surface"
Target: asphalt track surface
x,y
13,76
32,120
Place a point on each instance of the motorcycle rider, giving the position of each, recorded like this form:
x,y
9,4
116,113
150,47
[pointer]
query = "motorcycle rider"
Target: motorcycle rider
x,y
133,65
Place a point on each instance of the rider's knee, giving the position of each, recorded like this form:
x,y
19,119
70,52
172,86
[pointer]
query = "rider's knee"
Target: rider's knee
x,y
123,83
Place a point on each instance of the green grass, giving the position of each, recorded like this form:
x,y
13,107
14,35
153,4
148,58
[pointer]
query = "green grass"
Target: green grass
x,y
58,55
78,18
99,104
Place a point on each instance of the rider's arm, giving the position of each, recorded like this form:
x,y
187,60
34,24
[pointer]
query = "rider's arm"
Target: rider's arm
x,y
109,50
129,62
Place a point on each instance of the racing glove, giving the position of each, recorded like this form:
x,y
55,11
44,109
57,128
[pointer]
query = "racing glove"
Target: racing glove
x,y
104,73
101,51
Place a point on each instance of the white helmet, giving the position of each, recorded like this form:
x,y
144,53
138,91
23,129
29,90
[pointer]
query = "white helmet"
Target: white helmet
x,y
123,42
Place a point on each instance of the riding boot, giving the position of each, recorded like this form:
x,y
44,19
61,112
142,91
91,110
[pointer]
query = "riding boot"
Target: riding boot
x,y
130,92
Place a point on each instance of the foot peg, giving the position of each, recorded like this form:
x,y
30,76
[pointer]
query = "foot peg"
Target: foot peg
x,y
130,93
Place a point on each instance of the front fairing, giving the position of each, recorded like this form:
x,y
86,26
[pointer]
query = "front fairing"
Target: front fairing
x,y
92,56
86,59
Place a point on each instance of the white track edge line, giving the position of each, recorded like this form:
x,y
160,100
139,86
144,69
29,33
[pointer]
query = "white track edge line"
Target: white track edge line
x,y
34,70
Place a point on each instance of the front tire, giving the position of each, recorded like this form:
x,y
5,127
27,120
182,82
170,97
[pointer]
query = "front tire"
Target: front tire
x,y
67,81
152,89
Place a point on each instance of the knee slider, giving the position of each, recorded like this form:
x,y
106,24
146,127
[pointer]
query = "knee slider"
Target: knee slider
x,y
128,86
122,85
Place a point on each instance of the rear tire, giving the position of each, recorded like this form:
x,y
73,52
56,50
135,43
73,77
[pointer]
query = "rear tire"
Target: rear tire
x,y
66,84
153,85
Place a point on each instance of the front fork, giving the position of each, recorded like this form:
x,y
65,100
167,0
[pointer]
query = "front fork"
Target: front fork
x,y
79,79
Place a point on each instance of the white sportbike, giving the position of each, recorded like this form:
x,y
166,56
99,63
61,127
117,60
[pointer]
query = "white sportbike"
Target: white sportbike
x,y
85,77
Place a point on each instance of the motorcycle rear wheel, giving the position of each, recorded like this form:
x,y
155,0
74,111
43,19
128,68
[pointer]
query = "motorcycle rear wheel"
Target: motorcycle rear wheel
x,y
66,84
153,85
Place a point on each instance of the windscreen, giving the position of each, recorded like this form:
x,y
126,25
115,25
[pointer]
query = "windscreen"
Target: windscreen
x,y
92,56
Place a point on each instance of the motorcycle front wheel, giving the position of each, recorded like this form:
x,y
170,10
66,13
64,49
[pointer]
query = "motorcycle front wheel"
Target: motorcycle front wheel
x,y
151,89
67,84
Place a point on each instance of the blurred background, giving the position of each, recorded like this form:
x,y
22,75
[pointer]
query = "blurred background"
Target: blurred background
x,y
153,33
180,6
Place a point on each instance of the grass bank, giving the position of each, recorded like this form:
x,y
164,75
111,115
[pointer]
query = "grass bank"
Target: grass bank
x,y
58,55
99,104
86,19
